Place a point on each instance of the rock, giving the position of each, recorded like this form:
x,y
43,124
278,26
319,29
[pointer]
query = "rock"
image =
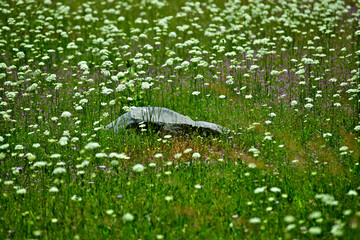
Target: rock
x,y
164,119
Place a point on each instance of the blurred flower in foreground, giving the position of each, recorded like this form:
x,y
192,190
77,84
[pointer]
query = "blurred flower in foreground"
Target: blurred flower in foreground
x,y
255,220
138,168
315,230
66,114
352,193
109,212
59,170
188,150
54,189
128,217
21,191
92,145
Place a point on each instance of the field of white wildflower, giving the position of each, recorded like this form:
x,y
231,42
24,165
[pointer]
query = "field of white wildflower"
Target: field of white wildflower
x,y
282,75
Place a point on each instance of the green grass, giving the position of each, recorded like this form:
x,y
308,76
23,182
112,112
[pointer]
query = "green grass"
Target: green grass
x,y
284,77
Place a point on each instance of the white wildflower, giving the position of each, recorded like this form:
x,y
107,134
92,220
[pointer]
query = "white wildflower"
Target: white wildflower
x,y
92,145
252,165
289,218
314,215
66,114
110,212
63,141
30,156
337,229
138,168
188,150
315,230
53,189
119,156
260,189
55,155
40,164
4,146
308,105
59,170
76,198
100,155
275,189
169,198
343,149
128,217
352,193
21,191
19,147
255,220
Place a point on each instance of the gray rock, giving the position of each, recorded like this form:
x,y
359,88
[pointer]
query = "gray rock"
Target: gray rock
x,y
166,120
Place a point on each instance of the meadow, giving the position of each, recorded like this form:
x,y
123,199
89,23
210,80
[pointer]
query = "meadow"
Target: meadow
x,y
283,76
